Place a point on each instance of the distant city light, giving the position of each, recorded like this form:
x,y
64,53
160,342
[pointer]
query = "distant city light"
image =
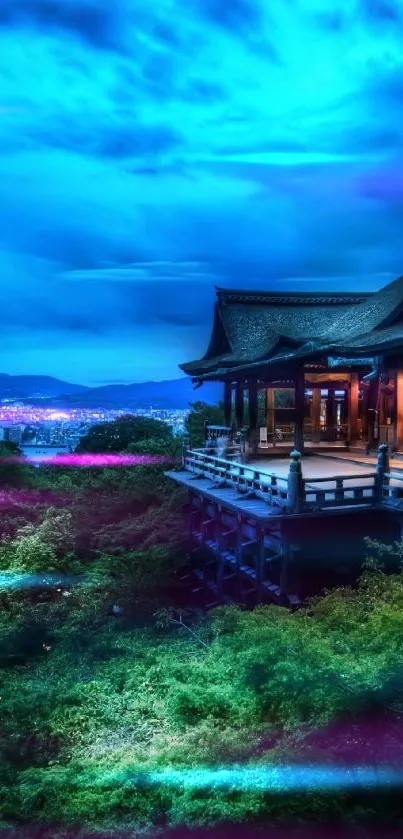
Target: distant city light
x,y
44,431
58,415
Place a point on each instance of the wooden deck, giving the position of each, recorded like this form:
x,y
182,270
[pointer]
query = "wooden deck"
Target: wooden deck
x,y
266,487
254,520
262,487
227,496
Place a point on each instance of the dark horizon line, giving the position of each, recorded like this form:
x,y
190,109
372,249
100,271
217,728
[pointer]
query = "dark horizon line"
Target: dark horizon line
x,y
91,386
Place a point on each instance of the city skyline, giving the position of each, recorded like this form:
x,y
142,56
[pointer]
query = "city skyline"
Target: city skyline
x,y
150,152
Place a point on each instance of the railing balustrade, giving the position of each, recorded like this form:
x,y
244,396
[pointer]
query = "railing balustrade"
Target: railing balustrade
x,y
343,493
392,493
295,494
245,479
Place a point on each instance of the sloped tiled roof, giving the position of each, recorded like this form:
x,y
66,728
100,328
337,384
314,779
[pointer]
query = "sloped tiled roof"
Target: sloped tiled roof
x,y
257,325
378,339
371,314
253,330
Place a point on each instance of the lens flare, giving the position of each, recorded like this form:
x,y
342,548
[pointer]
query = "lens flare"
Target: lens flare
x,y
282,778
269,779
12,580
91,460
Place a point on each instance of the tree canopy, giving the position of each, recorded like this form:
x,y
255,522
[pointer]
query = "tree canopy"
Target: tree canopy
x,y
199,414
14,470
110,678
128,433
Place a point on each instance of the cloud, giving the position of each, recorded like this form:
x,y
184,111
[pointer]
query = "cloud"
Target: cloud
x,y
382,11
95,21
135,140
150,151
156,271
239,15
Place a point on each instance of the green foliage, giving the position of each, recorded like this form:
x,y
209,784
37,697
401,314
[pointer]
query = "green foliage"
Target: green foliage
x,y
158,525
135,574
13,470
109,703
140,435
200,414
42,547
381,553
95,700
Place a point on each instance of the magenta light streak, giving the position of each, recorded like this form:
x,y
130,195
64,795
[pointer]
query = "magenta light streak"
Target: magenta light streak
x,y
86,460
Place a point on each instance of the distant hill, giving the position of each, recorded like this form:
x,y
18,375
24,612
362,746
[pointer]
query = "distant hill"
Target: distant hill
x,y
20,387
173,393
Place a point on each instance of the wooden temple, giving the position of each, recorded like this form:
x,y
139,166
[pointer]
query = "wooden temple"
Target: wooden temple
x,y
312,372
339,355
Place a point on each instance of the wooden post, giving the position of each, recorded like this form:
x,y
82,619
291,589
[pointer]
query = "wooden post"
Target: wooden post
x,y
399,410
372,417
185,448
316,401
344,407
238,554
227,403
253,418
220,561
270,418
289,577
253,391
239,405
364,413
295,487
382,468
260,562
331,416
353,408
299,410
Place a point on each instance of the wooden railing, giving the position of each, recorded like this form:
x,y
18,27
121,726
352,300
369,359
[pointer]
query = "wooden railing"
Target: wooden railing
x,y
245,479
344,493
295,494
392,493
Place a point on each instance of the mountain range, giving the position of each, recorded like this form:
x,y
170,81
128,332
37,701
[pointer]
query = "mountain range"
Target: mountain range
x,y
173,393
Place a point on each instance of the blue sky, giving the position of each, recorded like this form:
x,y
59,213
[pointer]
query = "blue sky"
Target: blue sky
x,y
152,150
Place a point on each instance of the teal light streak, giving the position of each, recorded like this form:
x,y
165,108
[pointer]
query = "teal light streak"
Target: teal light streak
x,y
282,779
11,580
270,779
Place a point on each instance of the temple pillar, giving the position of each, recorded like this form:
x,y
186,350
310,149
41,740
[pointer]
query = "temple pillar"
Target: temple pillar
x,y
227,403
364,413
371,413
253,391
253,417
331,416
344,408
353,408
316,398
299,410
399,410
239,405
270,418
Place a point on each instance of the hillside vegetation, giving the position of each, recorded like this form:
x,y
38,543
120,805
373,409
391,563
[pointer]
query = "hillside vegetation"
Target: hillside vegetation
x,y
111,681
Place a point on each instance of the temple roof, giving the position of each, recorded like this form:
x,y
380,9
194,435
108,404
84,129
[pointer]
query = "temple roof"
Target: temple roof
x,y
252,329
249,326
375,312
